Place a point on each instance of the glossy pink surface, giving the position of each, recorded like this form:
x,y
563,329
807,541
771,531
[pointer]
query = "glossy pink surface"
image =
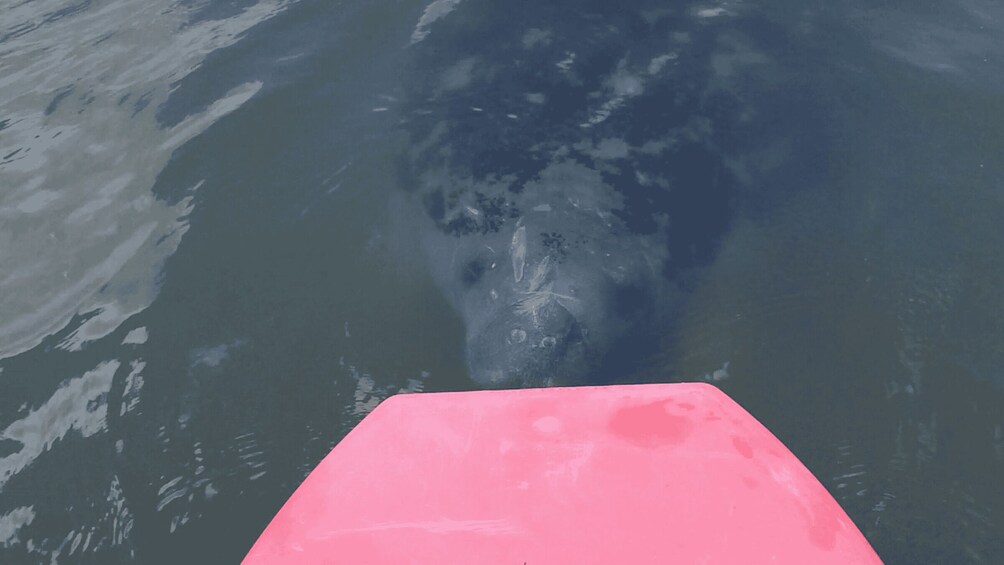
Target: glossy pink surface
x,y
665,473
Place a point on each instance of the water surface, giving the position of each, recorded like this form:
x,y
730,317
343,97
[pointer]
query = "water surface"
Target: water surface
x,y
202,288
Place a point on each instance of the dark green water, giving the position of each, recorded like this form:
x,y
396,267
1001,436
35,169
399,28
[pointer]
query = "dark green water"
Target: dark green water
x,y
203,285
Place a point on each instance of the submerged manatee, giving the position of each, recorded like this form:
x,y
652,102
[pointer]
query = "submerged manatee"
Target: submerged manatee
x,y
547,280
571,169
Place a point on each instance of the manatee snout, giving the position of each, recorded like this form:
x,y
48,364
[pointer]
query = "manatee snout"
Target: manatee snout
x,y
537,348
537,316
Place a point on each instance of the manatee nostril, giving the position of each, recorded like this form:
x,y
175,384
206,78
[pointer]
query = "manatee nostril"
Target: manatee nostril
x,y
517,336
548,341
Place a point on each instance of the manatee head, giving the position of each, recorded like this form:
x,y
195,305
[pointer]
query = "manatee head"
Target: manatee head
x,y
566,171
546,278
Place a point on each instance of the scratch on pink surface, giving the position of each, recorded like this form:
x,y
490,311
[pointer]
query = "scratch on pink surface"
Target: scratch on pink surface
x,y
444,526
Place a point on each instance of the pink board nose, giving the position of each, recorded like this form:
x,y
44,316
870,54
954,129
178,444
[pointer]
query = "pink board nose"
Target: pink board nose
x,y
664,473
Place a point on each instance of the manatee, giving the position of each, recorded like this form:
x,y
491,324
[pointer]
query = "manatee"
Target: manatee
x,y
567,175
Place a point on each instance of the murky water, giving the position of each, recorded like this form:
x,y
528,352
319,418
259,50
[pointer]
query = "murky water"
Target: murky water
x,y
204,282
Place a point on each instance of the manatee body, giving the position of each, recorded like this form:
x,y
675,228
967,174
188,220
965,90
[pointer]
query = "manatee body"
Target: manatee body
x,y
565,173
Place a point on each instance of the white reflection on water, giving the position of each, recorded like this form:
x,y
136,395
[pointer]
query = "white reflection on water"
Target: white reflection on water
x,y
434,11
79,405
80,149
13,521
